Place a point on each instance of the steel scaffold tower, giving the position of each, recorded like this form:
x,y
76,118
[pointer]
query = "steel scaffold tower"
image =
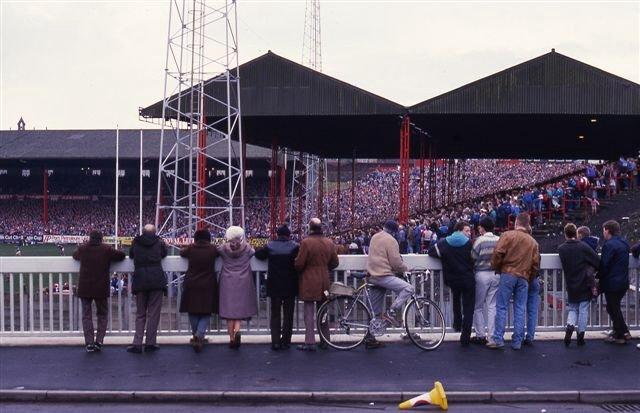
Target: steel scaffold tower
x,y
308,176
200,112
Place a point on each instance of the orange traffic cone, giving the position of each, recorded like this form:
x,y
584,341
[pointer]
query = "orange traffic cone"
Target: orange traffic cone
x,y
436,397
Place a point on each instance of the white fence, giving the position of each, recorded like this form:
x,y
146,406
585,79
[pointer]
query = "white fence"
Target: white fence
x,y
39,296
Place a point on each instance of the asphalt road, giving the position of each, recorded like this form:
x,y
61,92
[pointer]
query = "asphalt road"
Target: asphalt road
x,y
398,367
297,408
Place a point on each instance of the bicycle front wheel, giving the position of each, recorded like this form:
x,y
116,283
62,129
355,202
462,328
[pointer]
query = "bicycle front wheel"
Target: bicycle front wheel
x,y
343,322
424,323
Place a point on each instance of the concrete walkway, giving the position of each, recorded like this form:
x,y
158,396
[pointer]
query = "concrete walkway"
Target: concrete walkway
x,y
397,368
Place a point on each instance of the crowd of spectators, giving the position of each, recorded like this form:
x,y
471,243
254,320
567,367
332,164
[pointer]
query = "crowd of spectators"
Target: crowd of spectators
x,y
551,192
376,194
491,187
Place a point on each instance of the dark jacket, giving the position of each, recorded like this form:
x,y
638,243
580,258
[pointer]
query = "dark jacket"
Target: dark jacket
x,y
317,256
614,265
457,265
592,242
578,263
147,252
635,251
282,277
200,286
95,259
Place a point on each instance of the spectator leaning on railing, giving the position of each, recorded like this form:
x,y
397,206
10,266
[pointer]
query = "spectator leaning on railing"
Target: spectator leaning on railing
x,y
93,285
149,284
457,271
200,286
517,260
282,285
237,288
578,264
614,279
316,258
486,282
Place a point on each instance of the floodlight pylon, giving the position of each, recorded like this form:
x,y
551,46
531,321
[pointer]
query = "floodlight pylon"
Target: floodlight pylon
x,y
201,163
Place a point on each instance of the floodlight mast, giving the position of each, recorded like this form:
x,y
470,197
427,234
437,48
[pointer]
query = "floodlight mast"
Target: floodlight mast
x,y
201,163
308,177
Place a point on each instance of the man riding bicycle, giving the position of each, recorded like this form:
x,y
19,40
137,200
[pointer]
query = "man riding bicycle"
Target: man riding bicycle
x,y
383,263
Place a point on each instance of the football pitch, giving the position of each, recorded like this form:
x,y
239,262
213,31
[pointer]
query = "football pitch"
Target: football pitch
x,y
40,250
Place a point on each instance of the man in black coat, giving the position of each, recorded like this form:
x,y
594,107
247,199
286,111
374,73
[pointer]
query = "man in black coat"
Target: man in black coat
x,y
148,285
614,279
579,261
93,285
282,285
457,269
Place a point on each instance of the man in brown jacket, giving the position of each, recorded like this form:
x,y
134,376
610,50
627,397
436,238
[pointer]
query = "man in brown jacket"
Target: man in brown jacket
x,y
317,256
93,285
517,260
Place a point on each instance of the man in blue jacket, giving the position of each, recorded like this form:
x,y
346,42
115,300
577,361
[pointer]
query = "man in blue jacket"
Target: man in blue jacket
x,y
614,279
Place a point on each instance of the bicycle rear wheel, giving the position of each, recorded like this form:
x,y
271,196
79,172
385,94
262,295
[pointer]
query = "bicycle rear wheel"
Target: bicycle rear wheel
x,y
343,322
424,323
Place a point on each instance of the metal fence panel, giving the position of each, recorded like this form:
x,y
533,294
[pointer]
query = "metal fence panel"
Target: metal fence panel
x,y
53,296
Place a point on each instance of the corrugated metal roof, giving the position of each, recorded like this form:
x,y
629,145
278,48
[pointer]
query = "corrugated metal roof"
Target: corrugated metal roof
x,y
271,85
96,144
549,84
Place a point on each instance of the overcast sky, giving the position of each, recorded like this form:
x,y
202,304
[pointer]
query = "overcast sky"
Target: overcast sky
x,y
91,64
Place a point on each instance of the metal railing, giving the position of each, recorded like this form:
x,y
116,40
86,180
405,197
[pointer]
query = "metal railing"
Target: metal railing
x,y
39,296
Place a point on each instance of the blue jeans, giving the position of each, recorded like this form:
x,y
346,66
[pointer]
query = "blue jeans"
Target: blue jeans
x,y
533,303
510,285
199,323
578,314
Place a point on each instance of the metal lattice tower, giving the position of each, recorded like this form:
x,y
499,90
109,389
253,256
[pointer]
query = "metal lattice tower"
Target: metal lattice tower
x,y
201,112
307,175
312,39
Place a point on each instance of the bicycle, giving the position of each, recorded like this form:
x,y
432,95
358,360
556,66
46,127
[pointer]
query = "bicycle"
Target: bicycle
x,y
348,316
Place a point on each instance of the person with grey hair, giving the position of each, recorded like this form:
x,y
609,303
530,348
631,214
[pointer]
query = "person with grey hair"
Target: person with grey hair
x,y
237,288
317,256
148,285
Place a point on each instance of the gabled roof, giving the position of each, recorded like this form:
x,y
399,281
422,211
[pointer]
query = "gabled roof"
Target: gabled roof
x,y
96,144
274,86
549,84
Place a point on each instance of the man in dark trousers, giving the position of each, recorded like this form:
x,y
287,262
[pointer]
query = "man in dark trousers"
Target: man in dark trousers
x,y
93,285
614,279
282,285
317,256
579,262
148,285
457,269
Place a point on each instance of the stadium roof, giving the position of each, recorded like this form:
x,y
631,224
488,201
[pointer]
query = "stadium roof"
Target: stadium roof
x,y
549,84
549,107
274,86
305,110
93,144
552,106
